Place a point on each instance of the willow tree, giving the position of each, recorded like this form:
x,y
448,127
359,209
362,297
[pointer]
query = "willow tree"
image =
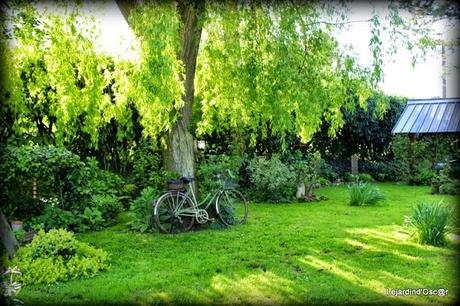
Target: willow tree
x,y
163,85
260,67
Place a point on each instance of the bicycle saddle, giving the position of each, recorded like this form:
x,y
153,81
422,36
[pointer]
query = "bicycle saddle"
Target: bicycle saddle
x,y
186,180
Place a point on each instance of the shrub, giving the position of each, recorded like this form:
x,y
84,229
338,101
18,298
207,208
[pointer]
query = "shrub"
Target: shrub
x,y
108,205
58,256
448,183
422,176
364,194
142,209
227,167
272,179
361,177
431,222
55,217
60,175
384,171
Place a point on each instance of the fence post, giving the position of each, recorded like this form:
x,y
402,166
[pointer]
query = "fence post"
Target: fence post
x,y
354,164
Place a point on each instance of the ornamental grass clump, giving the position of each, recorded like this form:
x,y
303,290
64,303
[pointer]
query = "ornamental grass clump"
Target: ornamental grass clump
x,y
364,194
57,256
430,222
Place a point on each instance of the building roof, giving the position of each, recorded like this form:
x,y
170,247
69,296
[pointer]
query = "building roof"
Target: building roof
x,y
429,116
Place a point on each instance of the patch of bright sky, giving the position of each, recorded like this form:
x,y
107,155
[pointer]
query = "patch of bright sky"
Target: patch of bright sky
x,y
400,78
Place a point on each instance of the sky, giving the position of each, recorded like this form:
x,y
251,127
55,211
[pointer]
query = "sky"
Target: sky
x,y
400,78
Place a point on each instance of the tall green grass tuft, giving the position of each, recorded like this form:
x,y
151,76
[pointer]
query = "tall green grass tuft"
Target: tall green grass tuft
x,y
431,222
364,194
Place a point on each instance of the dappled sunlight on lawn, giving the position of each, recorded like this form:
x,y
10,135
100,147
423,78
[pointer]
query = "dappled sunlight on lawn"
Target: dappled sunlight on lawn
x,y
259,288
355,276
396,257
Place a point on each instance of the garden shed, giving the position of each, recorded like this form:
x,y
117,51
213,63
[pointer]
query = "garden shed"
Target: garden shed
x,y
438,115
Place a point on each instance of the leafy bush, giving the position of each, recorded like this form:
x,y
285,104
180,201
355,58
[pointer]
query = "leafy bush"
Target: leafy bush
x,y
307,173
448,183
384,171
422,176
422,153
364,194
108,205
431,222
142,209
272,179
55,217
58,256
226,167
70,193
360,177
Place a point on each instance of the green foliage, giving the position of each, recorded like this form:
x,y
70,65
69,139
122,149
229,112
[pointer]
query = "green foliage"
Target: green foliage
x,y
272,179
364,194
156,84
360,177
58,85
20,235
367,126
58,256
142,209
416,159
257,75
54,217
423,176
384,171
216,171
70,193
108,205
307,170
91,219
431,222
449,182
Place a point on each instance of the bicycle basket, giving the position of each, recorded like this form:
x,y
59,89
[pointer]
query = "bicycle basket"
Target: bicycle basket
x,y
175,185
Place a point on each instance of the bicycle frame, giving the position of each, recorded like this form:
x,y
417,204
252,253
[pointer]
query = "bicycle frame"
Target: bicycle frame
x,y
195,203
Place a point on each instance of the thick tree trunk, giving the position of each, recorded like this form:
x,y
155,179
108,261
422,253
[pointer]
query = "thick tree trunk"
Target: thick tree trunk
x,y
7,236
180,154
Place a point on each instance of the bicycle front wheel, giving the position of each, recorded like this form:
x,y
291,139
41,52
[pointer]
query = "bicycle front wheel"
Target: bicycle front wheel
x,y
232,208
174,213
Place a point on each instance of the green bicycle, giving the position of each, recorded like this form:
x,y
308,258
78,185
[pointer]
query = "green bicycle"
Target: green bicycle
x,y
176,211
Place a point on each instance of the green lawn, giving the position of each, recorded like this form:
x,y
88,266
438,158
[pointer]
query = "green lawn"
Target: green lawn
x,y
307,253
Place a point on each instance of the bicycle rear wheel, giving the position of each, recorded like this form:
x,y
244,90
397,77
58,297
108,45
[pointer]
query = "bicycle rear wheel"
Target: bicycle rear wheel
x,y
232,208
173,213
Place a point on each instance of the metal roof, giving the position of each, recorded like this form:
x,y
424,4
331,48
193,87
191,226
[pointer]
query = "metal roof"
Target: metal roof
x,y
429,116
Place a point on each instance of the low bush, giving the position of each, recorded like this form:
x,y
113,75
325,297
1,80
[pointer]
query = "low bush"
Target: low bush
x,y
108,205
70,193
430,222
224,166
57,256
422,176
448,183
142,209
273,180
364,194
384,171
360,177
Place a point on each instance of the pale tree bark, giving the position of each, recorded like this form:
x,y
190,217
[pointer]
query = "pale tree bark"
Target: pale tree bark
x,y
180,154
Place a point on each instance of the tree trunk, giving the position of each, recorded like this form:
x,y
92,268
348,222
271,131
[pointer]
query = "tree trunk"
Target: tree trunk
x,y
7,236
300,194
180,154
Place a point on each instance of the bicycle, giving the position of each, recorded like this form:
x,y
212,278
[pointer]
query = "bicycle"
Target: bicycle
x,y
175,211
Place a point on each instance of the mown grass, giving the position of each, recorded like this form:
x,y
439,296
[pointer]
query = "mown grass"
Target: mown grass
x,y
307,253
